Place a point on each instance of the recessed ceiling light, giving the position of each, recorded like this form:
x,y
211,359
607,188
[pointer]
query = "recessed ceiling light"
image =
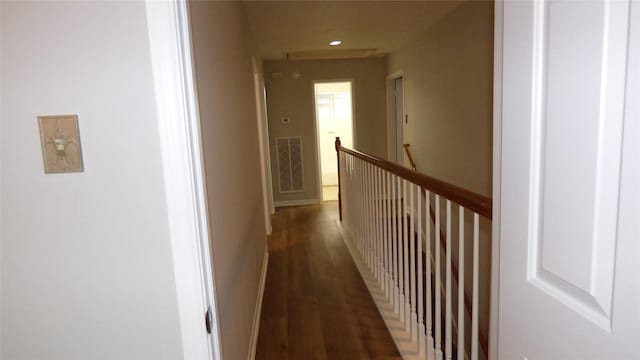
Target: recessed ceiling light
x,y
335,42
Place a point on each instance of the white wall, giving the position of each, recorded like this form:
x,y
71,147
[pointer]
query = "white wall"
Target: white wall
x,y
448,76
294,98
224,74
448,97
85,258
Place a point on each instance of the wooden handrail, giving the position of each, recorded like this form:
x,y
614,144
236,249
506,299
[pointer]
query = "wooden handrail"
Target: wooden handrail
x,y
470,200
411,162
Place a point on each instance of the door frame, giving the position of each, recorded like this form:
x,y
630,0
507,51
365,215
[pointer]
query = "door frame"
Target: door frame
x,y
392,127
170,47
263,142
315,126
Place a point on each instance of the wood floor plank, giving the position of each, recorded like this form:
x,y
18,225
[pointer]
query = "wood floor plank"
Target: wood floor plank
x,y
275,345
316,305
304,329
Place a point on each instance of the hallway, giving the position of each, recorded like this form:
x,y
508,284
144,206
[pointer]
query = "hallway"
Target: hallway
x,y
316,305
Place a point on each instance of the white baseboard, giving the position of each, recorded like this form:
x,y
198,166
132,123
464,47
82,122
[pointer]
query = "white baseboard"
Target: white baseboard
x,y
296,202
258,310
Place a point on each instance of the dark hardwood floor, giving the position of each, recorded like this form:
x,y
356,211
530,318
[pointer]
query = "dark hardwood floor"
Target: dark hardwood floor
x,y
315,304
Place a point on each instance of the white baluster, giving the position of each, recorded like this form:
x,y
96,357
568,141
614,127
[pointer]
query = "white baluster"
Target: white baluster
x,y
389,246
347,190
352,200
349,195
461,348
437,289
383,229
429,307
372,221
380,206
361,210
412,263
385,232
363,222
374,225
360,206
365,218
421,329
368,216
448,310
396,239
356,203
407,257
354,209
376,222
380,226
474,301
400,212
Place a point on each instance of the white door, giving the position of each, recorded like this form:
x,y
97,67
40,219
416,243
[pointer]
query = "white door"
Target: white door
x,y
569,231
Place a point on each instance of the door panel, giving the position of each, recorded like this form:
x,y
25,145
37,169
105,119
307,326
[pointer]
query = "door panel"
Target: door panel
x,y
565,79
579,68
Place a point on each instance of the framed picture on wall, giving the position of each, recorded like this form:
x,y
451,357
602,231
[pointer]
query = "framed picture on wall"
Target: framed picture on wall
x,y
60,140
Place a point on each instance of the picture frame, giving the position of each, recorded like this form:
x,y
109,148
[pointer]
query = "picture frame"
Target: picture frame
x,y
60,141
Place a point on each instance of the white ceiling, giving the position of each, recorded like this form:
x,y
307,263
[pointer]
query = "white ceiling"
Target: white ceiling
x,y
279,27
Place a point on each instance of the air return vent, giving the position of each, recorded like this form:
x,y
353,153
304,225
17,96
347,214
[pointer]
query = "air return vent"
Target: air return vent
x,y
290,170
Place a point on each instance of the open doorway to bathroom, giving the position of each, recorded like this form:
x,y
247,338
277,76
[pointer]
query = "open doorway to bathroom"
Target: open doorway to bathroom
x,y
334,117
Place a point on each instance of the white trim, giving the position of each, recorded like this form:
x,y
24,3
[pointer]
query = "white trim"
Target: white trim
x,y
497,166
295,202
179,130
258,310
263,142
316,136
392,125
1,232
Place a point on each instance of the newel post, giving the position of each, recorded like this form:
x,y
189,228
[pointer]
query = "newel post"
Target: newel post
x,y
338,145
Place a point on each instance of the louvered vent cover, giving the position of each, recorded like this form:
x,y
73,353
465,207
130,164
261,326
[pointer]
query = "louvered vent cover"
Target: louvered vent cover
x,y
290,169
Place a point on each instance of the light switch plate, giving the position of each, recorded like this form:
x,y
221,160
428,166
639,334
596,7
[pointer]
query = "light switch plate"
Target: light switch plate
x,y
60,141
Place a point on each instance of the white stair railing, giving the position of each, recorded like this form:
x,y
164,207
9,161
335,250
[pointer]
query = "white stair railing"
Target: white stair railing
x,y
386,214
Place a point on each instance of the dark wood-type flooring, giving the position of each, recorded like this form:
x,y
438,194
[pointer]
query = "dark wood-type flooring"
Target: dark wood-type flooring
x,y
315,304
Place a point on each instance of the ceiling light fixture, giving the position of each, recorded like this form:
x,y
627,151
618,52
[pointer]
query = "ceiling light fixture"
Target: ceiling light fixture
x,y
335,42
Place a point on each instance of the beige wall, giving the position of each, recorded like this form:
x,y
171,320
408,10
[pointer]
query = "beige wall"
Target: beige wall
x,y
448,83
448,97
87,271
224,75
294,98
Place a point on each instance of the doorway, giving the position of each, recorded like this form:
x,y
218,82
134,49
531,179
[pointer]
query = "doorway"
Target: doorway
x,y
334,117
397,103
